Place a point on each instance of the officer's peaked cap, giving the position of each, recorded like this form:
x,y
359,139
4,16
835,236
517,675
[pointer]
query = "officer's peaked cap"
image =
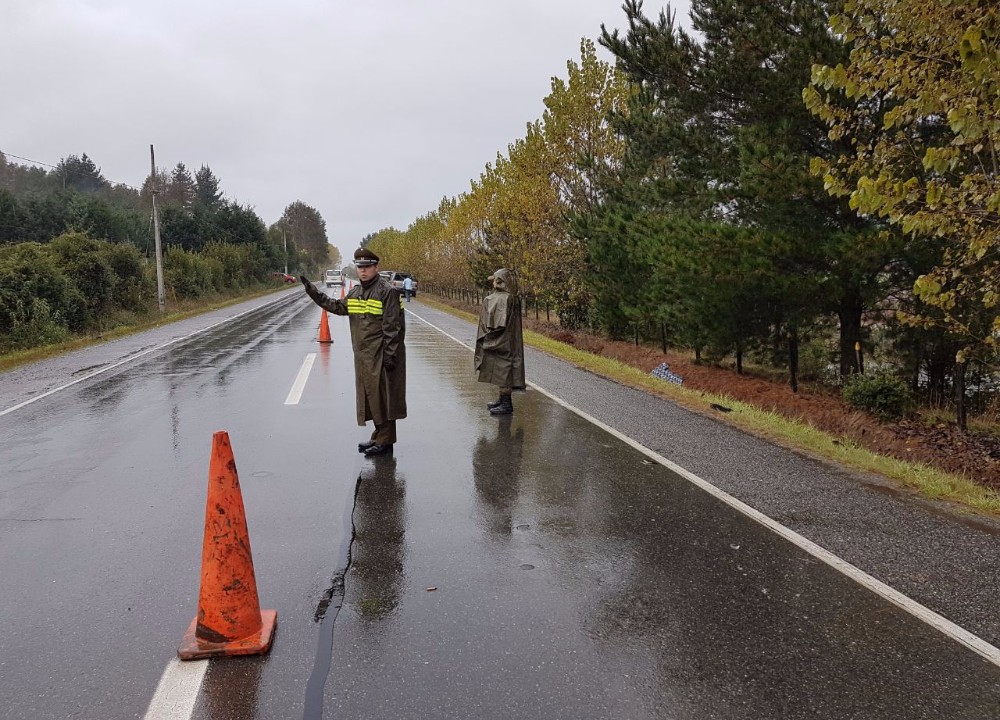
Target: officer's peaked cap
x,y
364,257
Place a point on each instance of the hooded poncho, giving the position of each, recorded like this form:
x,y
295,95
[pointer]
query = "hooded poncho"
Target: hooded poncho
x,y
499,355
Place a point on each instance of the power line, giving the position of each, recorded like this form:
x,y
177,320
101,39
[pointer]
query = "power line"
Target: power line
x,y
69,172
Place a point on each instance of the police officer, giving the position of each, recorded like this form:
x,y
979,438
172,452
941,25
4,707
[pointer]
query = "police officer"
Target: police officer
x,y
375,313
499,357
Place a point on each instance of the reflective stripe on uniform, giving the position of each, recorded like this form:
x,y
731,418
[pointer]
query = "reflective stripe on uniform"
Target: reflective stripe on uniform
x,y
360,306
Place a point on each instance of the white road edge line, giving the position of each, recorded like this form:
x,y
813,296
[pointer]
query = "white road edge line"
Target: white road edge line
x,y
939,622
295,394
177,692
129,359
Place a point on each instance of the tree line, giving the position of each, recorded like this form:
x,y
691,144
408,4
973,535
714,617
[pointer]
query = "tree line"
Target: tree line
x,y
76,250
806,181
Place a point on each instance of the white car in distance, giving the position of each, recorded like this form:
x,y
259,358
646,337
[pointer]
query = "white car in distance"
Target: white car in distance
x,y
334,277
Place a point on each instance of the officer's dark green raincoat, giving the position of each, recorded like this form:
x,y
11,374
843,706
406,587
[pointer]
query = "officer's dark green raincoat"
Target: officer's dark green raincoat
x,y
499,354
375,314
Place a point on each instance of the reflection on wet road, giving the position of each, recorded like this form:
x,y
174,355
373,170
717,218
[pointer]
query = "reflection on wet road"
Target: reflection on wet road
x,y
496,470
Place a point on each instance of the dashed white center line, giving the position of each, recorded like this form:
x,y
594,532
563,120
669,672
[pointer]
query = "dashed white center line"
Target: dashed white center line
x,y
178,690
295,394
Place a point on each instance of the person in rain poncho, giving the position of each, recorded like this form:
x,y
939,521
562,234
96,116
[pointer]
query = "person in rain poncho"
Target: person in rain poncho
x,y
375,312
499,357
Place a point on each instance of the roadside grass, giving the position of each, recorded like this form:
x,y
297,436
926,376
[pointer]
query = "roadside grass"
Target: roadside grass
x,y
987,423
176,311
927,481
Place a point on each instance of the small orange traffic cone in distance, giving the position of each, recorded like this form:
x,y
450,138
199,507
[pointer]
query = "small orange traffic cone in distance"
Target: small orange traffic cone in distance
x,y
229,620
343,291
324,328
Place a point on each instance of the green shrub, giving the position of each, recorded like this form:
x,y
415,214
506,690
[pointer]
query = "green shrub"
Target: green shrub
x,y
36,326
242,265
31,271
819,359
81,261
134,286
882,394
189,275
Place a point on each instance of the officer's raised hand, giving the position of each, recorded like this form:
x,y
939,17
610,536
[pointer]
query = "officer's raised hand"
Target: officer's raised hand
x,y
311,290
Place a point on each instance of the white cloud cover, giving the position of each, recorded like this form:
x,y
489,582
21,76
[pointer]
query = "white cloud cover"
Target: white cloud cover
x,y
369,111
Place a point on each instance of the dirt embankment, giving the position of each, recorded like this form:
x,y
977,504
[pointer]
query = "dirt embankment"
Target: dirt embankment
x,y
976,456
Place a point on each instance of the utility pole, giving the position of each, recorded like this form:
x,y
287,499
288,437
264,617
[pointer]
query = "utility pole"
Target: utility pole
x,y
284,242
161,295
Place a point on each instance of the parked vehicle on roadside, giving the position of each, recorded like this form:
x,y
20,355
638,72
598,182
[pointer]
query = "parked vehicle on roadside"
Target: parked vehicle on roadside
x,y
284,277
334,277
396,278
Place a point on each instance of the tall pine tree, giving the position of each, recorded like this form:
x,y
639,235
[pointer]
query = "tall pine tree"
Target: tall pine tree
x,y
718,133
206,191
181,190
80,173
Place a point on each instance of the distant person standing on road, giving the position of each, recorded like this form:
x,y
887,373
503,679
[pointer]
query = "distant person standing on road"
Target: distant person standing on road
x,y
375,312
499,354
408,287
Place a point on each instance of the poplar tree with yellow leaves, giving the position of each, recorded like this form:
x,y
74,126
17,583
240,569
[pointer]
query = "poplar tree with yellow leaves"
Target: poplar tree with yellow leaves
x,y
918,102
517,213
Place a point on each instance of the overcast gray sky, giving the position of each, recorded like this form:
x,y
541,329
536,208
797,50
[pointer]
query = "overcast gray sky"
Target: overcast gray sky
x,y
370,111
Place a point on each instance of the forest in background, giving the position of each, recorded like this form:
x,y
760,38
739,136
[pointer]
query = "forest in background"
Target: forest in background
x,y
77,250
808,184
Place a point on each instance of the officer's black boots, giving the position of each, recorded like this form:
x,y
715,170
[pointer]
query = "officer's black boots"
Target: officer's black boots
x,y
496,403
506,406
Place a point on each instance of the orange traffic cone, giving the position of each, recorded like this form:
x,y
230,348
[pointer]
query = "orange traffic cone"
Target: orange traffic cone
x,y
229,620
324,328
343,292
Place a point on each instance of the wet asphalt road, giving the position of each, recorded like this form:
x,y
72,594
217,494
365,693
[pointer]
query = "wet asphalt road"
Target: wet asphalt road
x,y
573,577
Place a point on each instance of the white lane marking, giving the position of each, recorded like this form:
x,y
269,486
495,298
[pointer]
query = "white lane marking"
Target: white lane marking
x,y
132,358
295,394
177,692
939,622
